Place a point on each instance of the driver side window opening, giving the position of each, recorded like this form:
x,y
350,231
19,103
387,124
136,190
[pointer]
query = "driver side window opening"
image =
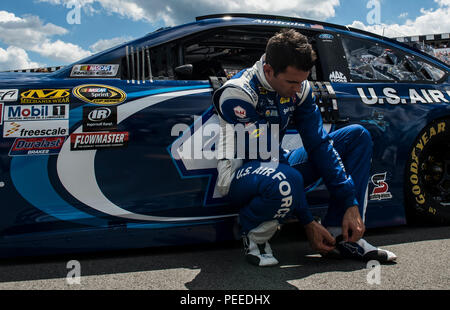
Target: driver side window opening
x,y
371,61
218,53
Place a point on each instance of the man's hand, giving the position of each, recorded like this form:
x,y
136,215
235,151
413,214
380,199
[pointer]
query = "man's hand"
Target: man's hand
x,y
319,237
352,225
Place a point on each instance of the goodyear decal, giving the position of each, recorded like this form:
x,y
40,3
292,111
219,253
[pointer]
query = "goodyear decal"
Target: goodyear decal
x,y
390,96
417,191
45,96
100,94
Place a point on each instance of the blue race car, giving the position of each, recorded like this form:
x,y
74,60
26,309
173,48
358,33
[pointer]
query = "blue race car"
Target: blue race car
x,y
118,150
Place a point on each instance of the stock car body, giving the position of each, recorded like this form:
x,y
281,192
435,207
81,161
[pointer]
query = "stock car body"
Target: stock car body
x,y
98,155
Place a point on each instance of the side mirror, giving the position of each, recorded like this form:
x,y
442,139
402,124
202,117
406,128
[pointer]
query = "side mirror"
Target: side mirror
x,y
184,70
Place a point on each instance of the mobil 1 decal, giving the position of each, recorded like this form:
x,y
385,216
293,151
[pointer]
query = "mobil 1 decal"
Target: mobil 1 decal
x,y
99,119
36,112
402,95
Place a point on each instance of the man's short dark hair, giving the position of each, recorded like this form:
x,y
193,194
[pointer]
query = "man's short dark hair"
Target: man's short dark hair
x,y
290,48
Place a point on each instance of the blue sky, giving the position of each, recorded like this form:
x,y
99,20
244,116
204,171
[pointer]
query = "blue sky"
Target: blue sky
x,y
36,32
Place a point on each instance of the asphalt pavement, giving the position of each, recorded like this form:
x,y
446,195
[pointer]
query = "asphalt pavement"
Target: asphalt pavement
x,y
423,264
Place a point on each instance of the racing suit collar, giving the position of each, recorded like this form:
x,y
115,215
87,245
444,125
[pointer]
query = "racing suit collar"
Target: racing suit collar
x,y
260,73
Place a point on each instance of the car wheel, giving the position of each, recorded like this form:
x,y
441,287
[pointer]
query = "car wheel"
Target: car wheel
x,y
427,177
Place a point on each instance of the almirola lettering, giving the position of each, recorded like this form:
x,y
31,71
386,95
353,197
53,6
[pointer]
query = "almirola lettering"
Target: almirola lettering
x,y
202,142
391,96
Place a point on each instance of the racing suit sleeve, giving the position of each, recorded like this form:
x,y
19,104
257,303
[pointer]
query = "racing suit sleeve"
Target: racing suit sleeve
x,y
321,153
259,141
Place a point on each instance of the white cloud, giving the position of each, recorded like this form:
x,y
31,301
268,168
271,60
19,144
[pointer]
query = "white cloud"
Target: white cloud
x,y
174,12
431,21
26,32
30,33
105,44
61,51
15,58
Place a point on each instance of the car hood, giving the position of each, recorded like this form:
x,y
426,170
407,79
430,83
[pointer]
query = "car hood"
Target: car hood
x,y
15,78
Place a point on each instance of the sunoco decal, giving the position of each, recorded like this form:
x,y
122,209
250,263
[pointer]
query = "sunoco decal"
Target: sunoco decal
x,y
98,140
36,146
100,94
381,190
45,96
390,96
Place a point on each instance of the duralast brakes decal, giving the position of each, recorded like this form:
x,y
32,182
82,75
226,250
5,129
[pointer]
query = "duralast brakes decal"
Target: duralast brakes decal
x,y
36,146
98,140
381,189
391,96
100,94
45,96
418,192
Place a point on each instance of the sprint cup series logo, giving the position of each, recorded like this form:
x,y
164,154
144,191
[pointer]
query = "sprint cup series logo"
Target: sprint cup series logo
x,y
99,94
45,96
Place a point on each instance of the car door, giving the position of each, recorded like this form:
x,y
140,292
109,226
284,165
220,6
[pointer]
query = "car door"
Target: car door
x,y
390,91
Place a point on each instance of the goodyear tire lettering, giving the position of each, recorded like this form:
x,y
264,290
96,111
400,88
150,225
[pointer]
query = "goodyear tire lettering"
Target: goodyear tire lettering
x,y
420,202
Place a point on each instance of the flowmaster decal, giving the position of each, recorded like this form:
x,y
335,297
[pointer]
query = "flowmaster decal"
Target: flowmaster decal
x,y
98,140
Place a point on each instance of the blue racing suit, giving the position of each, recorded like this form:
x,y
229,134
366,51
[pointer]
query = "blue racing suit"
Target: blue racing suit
x,y
271,188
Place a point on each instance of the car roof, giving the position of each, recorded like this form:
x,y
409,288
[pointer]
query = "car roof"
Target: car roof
x,y
326,26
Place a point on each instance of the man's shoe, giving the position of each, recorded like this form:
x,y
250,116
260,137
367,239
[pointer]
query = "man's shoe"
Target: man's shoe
x,y
259,254
362,250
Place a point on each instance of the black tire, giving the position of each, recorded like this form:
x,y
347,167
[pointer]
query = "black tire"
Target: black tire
x,y
427,176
